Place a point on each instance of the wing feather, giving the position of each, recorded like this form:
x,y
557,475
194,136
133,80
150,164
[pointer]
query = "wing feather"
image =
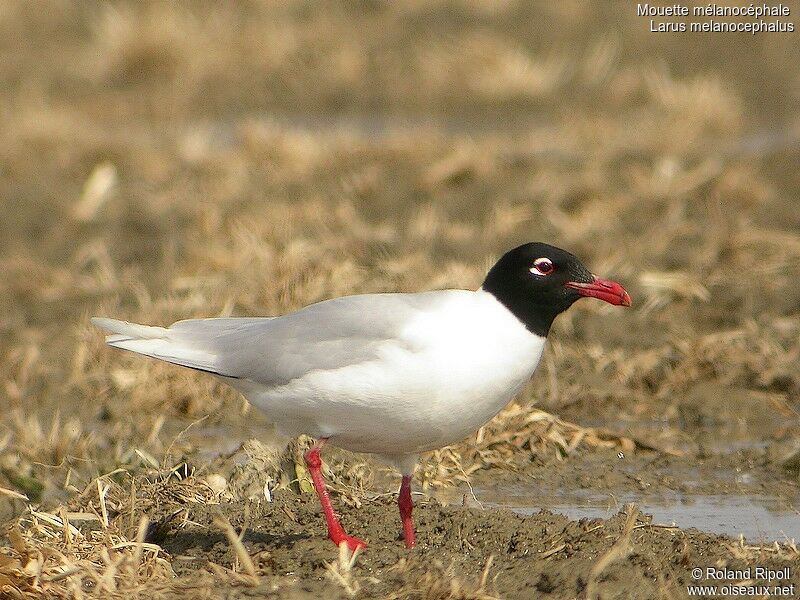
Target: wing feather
x,y
272,351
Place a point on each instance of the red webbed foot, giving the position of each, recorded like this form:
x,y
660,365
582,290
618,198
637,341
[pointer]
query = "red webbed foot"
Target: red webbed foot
x,y
353,543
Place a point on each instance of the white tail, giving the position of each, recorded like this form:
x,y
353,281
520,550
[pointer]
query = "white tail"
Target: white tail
x,y
158,342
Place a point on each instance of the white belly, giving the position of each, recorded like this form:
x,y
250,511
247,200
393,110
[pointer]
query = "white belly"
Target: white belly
x,y
447,375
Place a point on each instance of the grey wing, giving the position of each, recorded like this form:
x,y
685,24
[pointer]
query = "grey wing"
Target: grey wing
x,y
324,336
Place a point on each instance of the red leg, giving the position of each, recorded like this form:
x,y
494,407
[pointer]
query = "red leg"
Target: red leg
x,y
335,530
406,504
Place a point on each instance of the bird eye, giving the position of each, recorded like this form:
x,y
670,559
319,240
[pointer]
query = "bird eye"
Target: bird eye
x,y
542,266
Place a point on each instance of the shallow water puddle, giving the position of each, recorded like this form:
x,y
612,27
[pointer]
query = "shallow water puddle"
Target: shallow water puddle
x,y
757,518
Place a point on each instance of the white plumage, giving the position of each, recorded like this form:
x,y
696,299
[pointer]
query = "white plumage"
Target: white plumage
x,y
391,374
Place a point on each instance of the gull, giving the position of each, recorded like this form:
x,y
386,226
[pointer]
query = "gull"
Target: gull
x,y
394,374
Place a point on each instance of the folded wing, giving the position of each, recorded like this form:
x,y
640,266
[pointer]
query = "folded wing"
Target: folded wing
x,y
275,350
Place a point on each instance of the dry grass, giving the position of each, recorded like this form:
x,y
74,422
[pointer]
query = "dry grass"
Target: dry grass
x,y
444,583
49,556
164,161
618,551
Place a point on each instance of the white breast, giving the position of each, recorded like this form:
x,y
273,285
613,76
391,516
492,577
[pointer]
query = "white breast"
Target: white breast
x,y
448,372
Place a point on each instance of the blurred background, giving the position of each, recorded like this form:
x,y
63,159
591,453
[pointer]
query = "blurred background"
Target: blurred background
x,y
165,160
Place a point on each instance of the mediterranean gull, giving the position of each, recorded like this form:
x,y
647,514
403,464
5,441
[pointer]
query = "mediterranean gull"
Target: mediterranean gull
x,y
389,374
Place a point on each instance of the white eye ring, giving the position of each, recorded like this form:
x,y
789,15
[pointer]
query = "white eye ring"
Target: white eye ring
x,y
542,267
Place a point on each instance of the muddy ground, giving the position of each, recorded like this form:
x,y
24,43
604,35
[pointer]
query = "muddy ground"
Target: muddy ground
x,y
543,555
170,160
468,550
